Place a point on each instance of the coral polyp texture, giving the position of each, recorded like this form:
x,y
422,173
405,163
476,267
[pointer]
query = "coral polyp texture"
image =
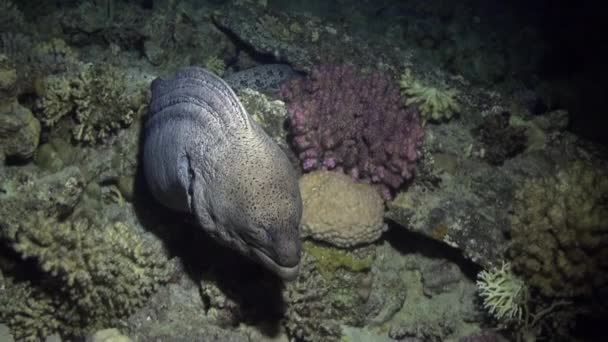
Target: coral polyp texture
x,y
560,232
340,211
504,295
95,95
344,120
435,103
92,275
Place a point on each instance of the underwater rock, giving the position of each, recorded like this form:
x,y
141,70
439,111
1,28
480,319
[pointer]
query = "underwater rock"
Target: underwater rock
x,y
8,79
318,306
303,40
19,131
340,211
55,155
389,289
440,277
468,215
499,139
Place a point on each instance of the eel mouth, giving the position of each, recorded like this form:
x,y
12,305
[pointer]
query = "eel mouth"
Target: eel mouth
x,y
287,273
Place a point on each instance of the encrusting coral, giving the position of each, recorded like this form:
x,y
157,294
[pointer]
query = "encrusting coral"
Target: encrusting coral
x,y
97,273
435,104
560,232
97,97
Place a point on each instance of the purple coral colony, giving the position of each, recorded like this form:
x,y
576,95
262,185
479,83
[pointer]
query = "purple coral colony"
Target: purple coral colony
x,y
356,123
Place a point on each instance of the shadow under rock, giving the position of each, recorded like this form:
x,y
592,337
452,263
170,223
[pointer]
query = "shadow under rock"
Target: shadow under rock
x,y
257,291
407,242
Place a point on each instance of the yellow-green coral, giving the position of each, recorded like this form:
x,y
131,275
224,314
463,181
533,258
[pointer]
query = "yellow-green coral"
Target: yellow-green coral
x,y
97,98
28,311
560,231
97,274
215,65
435,104
330,259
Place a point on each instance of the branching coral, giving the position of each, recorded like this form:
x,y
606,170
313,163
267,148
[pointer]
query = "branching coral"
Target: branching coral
x,y
98,273
27,310
504,294
344,120
435,104
507,298
97,98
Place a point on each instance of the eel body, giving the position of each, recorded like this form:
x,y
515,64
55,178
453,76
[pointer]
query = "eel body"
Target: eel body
x,y
204,155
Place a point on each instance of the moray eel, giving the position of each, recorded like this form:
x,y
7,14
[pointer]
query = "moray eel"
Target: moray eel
x,y
204,155
267,77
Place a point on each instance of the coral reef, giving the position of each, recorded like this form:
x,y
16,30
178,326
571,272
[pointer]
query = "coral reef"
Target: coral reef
x,y
318,307
75,268
98,274
355,123
435,103
560,231
504,294
339,211
96,96
29,312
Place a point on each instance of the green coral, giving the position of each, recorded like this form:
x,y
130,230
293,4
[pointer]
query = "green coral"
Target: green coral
x,y
435,104
560,231
97,98
215,65
94,275
330,259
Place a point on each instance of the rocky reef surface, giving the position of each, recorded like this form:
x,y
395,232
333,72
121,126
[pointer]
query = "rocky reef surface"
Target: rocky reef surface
x,y
493,229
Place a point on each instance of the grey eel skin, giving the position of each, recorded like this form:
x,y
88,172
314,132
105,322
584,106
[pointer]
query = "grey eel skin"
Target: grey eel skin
x,y
204,155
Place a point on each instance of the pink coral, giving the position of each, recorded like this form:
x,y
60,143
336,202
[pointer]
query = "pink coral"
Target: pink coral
x,y
354,123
